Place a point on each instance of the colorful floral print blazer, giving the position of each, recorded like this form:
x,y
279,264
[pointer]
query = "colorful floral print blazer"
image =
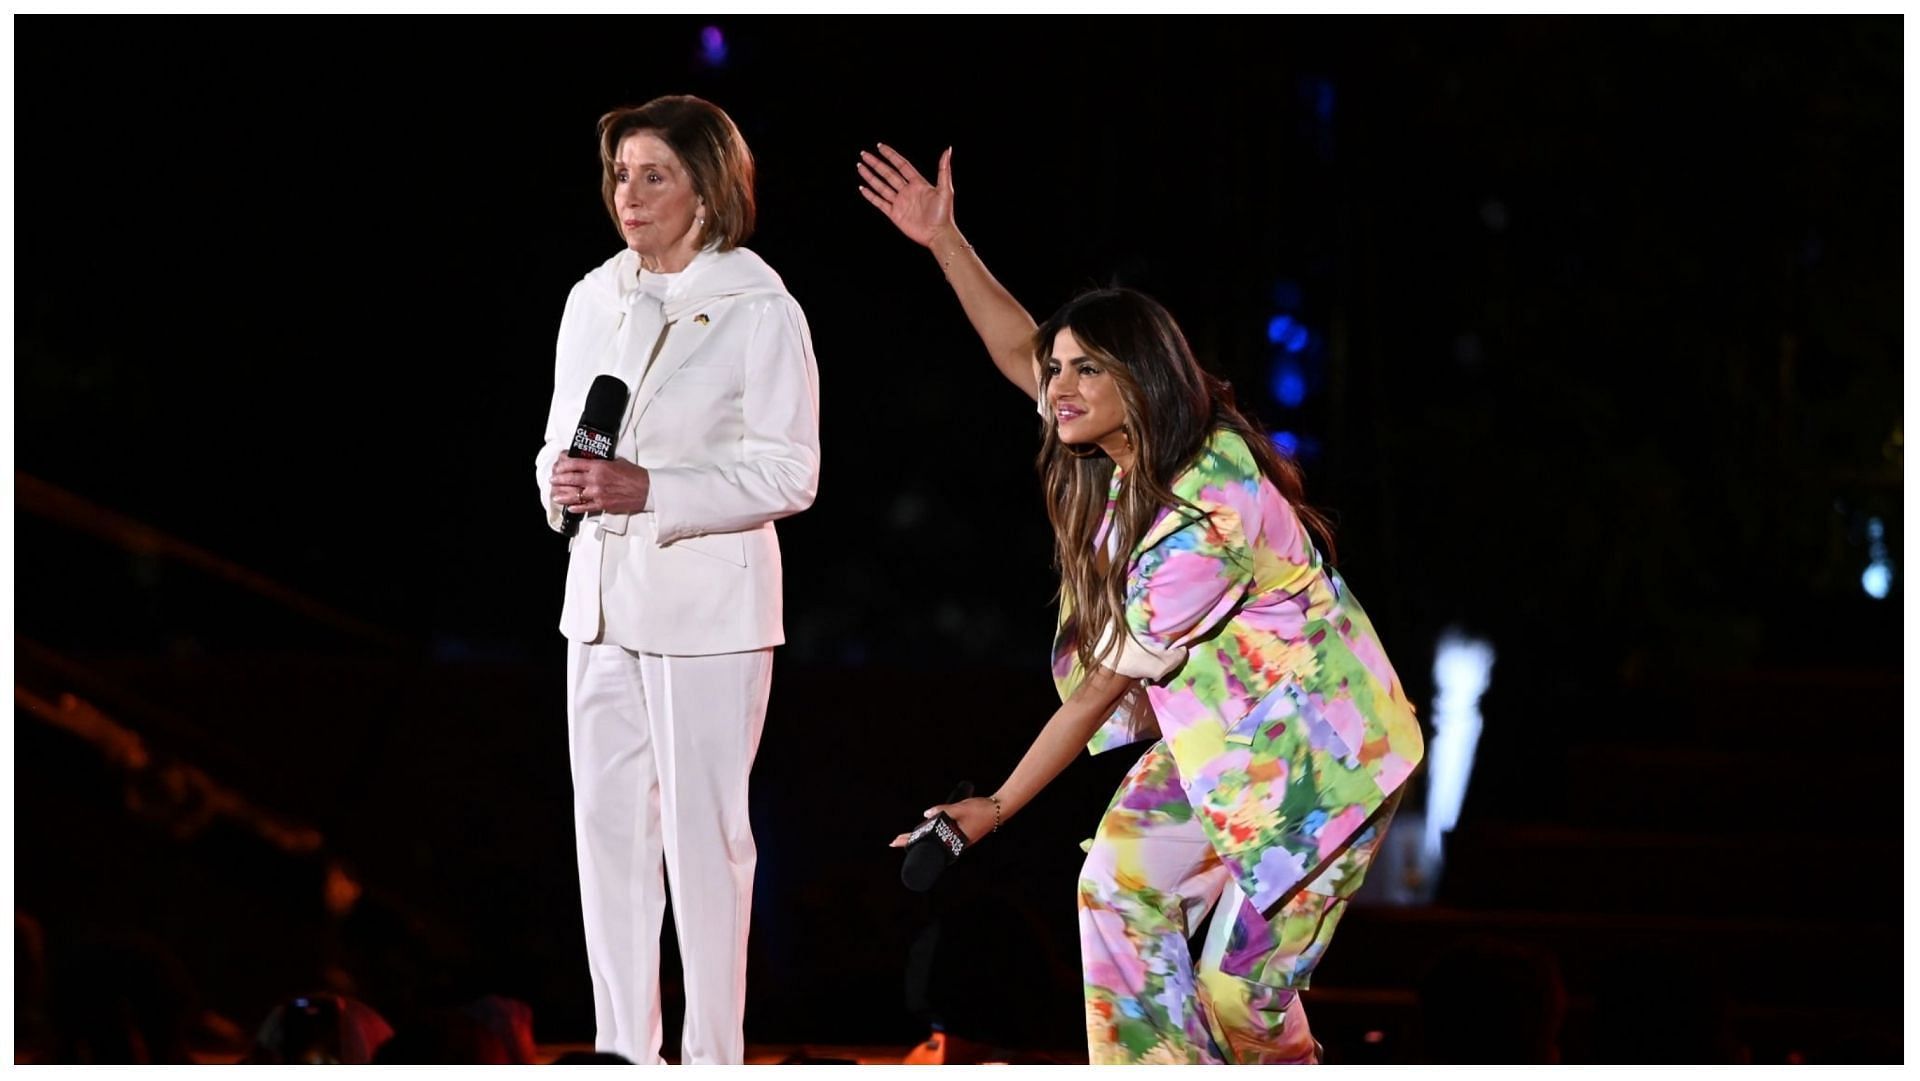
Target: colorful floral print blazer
x,y
1264,676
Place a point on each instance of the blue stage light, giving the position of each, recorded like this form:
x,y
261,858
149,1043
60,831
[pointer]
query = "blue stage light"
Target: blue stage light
x,y
1289,384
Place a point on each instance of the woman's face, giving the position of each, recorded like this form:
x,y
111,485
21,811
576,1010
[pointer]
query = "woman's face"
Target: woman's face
x,y
654,196
1082,396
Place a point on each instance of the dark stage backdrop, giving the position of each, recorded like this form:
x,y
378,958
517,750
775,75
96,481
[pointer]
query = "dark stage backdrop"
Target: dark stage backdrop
x,y
1588,333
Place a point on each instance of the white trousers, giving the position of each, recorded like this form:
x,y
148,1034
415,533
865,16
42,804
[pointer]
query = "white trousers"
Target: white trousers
x,y
661,748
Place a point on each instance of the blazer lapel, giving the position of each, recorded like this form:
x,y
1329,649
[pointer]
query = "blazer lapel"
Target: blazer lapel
x,y
660,353
1206,472
681,328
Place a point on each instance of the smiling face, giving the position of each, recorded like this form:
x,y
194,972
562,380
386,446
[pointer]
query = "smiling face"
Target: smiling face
x,y
1084,399
655,202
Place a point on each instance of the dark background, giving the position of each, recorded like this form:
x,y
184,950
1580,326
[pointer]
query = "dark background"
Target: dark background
x,y
1604,367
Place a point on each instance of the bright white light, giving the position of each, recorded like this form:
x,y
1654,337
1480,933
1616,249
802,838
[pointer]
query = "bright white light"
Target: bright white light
x,y
1877,579
1462,669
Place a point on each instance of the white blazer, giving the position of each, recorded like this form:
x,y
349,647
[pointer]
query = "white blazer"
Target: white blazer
x,y
723,412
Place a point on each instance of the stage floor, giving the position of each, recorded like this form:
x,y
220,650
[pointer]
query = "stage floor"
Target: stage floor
x,y
934,1052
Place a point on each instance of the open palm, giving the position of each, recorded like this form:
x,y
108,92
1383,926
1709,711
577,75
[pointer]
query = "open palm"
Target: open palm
x,y
917,208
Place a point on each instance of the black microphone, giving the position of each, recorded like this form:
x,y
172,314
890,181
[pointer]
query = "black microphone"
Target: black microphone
x,y
599,427
933,845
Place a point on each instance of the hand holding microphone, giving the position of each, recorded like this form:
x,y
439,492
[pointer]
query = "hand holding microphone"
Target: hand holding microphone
x,y
589,478
949,829
586,486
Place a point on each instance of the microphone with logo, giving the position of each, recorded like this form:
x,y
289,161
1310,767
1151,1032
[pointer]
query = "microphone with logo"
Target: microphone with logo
x,y
933,845
599,426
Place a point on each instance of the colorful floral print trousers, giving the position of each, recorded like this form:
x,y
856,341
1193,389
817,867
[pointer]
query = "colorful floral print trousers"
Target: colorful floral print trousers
x,y
1150,877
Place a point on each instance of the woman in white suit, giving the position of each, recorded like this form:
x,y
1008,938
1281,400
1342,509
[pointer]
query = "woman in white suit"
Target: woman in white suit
x,y
673,587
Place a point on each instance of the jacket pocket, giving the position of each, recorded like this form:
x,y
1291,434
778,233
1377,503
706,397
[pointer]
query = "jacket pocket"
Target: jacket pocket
x,y
705,375
1281,705
726,547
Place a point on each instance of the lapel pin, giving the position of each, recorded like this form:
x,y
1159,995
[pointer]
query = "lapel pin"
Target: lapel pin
x,y
702,319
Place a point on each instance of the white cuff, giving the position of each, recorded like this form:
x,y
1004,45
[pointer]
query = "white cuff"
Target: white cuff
x,y
1138,660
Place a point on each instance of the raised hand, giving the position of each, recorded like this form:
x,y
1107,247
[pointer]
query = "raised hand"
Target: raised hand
x,y
919,209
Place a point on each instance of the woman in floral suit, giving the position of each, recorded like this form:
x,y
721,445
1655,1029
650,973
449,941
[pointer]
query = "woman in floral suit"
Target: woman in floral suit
x,y
1196,610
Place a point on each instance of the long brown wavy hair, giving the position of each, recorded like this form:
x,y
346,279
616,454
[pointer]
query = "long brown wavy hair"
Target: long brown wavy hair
x,y
1172,406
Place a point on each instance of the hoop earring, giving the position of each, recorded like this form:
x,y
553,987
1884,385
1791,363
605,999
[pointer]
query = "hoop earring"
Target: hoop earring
x,y
1088,453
